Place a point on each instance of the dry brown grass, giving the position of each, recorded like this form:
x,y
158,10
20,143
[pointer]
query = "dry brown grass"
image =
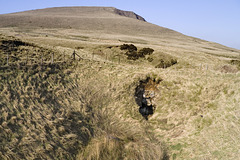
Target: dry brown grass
x,y
86,109
51,113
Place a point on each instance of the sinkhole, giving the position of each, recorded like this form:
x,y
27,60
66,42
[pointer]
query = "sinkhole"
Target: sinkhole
x,y
145,93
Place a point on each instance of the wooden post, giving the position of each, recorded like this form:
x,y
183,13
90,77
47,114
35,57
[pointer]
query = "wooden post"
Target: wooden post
x,y
118,59
52,58
7,58
41,59
74,53
27,59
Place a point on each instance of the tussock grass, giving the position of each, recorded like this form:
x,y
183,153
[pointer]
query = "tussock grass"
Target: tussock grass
x,y
51,112
86,109
35,123
114,139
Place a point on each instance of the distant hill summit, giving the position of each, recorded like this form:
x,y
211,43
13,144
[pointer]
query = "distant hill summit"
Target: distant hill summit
x,y
128,14
79,11
104,19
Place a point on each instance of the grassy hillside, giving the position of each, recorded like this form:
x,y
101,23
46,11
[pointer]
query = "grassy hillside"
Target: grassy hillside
x,y
103,19
63,110
54,107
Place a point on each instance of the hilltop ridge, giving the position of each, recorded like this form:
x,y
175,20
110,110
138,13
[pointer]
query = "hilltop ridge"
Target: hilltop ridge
x,y
104,19
78,11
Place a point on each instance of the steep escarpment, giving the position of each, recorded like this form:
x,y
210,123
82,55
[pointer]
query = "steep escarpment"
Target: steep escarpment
x,y
128,14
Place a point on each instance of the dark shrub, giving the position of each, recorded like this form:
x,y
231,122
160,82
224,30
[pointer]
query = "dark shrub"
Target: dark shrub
x,y
133,55
145,51
124,47
129,47
132,51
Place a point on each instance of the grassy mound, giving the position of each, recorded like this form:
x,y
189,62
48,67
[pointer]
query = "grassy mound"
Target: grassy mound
x,y
35,123
59,110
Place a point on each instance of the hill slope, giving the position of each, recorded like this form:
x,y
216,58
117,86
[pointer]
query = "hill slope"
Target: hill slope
x,y
55,106
85,18
104,24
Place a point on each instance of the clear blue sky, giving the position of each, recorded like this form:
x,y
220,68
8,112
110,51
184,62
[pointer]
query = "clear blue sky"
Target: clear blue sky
x,y
212,20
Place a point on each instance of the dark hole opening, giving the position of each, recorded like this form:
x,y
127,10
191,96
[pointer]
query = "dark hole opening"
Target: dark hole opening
x,y
144,95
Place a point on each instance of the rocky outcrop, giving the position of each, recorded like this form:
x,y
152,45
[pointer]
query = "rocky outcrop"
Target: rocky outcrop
x,y
129,14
